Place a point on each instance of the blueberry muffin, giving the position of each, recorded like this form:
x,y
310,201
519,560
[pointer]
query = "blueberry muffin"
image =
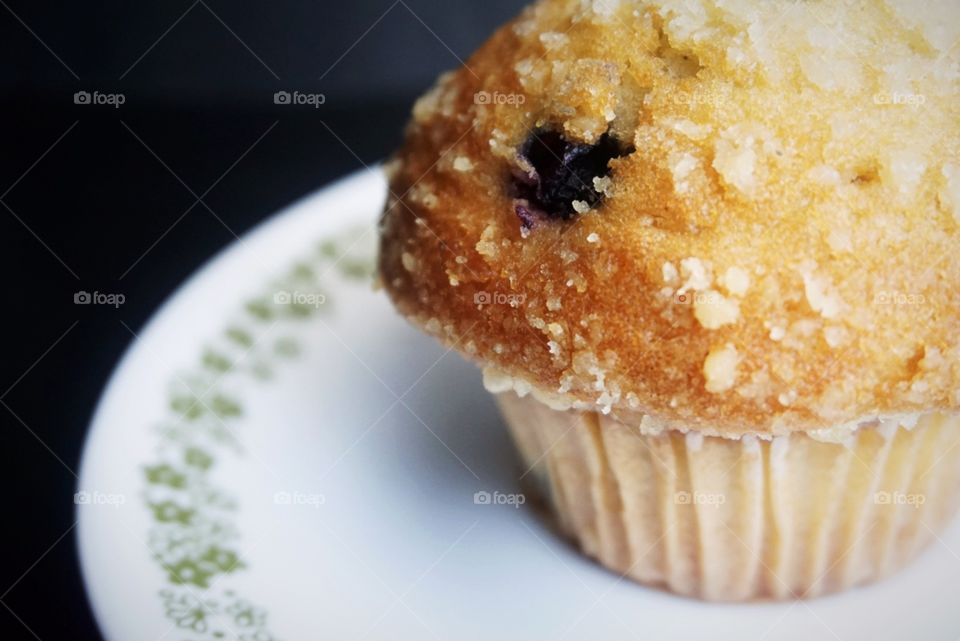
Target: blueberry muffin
x,y
706,254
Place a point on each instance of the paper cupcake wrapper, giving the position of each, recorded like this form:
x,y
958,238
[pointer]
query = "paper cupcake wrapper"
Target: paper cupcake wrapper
x,y
738,519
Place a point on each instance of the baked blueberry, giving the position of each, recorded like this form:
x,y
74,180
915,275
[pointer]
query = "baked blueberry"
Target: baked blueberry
x,y
561,172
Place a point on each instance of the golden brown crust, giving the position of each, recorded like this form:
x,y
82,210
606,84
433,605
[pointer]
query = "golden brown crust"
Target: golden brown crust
x,y
780,251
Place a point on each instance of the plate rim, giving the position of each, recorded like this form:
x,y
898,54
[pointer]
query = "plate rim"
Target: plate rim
x,y
276,224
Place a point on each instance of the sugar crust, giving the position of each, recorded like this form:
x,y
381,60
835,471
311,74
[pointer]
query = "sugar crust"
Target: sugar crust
x,y
781,252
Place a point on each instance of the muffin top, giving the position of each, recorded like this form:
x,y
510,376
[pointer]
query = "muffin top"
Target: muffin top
x,y
734,216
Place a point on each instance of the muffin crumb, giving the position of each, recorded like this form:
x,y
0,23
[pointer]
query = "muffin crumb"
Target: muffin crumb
x,y
409,262
735,161
820,293
670,274
713,310
463,164
735,280
696,274
720,368
602,184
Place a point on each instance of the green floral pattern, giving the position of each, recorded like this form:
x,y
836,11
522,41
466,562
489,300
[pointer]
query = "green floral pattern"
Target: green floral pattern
x,y
193,534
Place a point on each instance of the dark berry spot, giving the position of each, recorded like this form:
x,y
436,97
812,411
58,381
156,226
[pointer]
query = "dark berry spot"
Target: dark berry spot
x,y
561,172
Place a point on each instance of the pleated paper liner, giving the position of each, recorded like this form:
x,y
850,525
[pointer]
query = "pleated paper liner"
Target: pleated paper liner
x,y
732,520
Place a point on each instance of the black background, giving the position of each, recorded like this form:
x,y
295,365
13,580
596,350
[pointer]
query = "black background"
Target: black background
x,y
97,198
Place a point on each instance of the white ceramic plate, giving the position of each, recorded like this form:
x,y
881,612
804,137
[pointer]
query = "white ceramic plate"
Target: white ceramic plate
x,y
279,456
